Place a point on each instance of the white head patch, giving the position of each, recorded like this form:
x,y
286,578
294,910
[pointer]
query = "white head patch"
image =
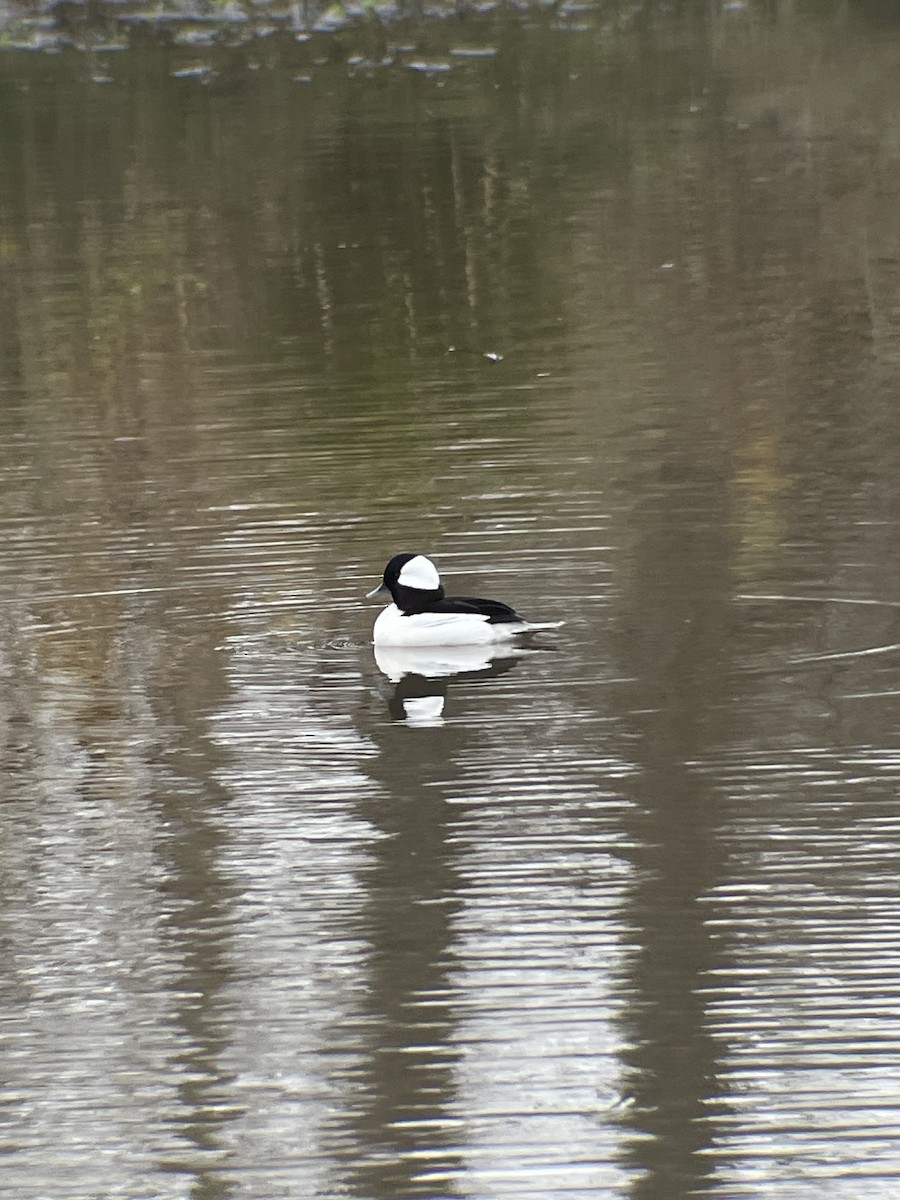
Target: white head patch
x,y
420,572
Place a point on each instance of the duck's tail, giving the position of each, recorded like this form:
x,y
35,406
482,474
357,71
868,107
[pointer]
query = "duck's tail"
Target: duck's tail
x,y
539,626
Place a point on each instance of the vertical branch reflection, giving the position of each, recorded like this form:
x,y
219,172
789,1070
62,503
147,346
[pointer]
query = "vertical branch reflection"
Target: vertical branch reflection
x,y
413,891
673,647
199,899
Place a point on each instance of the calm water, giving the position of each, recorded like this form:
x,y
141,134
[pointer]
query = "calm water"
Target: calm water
x,y
603,314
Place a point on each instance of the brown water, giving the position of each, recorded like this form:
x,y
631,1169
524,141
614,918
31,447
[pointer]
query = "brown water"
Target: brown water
x,y
603,314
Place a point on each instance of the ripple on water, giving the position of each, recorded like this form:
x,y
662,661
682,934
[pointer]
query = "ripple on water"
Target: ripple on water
x,y
806,1004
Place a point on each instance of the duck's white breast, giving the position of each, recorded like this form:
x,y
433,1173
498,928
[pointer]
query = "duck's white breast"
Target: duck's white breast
x,y
392,628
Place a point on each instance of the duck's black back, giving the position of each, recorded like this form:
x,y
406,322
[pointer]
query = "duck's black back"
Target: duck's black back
x,y
496,611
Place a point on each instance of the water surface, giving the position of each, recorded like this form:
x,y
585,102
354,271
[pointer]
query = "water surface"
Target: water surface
x,y
603,315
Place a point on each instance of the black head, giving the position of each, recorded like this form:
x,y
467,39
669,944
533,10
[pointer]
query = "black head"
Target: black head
x,y
412,581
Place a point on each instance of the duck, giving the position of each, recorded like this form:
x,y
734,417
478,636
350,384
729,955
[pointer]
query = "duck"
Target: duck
x,y
422,615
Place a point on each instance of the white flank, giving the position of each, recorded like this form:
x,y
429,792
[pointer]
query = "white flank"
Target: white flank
x,y
392,628
420,572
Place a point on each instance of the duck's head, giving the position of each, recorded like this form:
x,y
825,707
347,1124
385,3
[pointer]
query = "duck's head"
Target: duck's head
x,y
412,581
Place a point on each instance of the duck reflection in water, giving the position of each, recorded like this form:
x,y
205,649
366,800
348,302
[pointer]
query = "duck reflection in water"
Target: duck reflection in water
x,y
418,678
